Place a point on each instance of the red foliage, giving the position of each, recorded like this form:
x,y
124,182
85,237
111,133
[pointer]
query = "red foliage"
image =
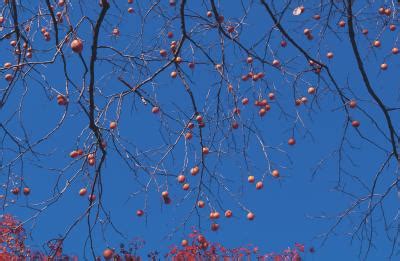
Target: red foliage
x,y
12,247
12,237
201,249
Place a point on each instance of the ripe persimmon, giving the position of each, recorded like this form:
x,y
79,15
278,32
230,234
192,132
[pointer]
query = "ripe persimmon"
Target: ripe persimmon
x,y
113,125
8,77
181,178
200,204
108,253
74,154
163,52
352,104
26,191
214,226
235,125
76,45
82,192
92,197
355,123
275,173
250,216
311,90
194,170
276,63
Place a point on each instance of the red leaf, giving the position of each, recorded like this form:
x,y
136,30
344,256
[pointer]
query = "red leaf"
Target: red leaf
x,y
299,246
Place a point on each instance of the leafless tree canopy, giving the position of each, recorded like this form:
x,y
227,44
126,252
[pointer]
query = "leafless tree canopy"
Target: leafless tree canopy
x,y
197,99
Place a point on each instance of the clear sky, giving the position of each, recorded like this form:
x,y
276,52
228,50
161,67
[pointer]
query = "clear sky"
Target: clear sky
x,y
300,206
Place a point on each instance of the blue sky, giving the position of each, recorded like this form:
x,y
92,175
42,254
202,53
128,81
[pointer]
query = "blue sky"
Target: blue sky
x,y
297,207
